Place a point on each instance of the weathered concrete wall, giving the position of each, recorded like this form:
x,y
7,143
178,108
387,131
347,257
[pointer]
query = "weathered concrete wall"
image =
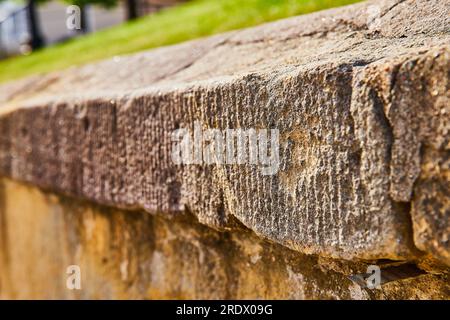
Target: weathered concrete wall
x,y
128,255
361,102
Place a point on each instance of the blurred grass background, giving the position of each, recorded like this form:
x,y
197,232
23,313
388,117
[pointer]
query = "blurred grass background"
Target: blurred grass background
x,y
194,19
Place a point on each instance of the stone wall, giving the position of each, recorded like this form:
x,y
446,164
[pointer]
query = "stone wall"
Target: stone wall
x,y
360,97
134,255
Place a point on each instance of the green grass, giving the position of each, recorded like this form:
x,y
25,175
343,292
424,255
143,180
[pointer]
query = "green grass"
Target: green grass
x,y
194,19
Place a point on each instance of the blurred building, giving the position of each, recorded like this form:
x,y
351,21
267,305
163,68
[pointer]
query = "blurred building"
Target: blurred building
x,y
14,28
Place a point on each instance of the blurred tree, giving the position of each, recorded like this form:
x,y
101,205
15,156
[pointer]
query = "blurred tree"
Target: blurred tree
x,y
132,9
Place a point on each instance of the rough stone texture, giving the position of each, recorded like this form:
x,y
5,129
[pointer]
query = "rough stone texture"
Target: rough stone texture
x,y
134,255
361,102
